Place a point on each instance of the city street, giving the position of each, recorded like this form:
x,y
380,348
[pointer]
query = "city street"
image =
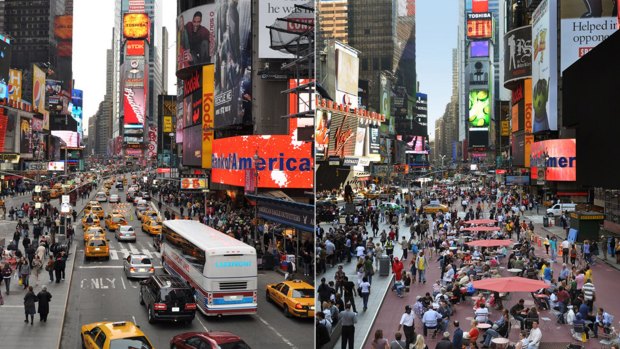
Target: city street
x,y
100,291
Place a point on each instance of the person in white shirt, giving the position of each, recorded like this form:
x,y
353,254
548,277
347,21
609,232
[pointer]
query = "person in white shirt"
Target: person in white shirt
x,y
533,340
360,251
430,319
482,314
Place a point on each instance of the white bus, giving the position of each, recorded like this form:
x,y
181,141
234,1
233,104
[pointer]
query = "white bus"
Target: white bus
x,y
221,269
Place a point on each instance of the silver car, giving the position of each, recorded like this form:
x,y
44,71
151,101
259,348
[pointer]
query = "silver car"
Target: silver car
x,y
114,198
125,233
138,266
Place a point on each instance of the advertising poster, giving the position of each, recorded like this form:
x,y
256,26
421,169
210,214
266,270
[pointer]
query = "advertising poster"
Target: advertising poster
x,y
518,54
302,128
196,30
360,138
134,72
208,114
544,61
280,163
374,143
193,183
76,109
5,61
343,128
420,125
192,146
479,49
53,92
136,26
233,63
4,120
15,85
347,68
152,146
478,73
70,138
385,100
321,136
268,13
38,89
415,144
479,109
584,24
558,157
478,138
63,32
134,106
479,26
25,136
167,127
134,48
56,166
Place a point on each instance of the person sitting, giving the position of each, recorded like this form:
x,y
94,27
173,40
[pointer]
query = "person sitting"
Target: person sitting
x,y
531,317
474,333
500,328
518,312
431,319
399,287
533,340
603,320
482,314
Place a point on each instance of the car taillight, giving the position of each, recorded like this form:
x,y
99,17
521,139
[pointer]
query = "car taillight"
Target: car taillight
x,y
210,298
254,297
190,306
151,269
159,306
298,306
132,269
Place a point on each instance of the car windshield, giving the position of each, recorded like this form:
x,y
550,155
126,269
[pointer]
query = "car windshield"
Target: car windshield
x,y
96,243
154,223
177,295
234,345
303,293
117,219
130,343
138,260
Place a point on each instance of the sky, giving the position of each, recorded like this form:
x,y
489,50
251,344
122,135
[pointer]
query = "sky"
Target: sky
x,y
436,35
93,22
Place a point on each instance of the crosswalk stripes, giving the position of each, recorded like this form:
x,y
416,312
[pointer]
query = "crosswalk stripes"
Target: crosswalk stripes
x,y
124,253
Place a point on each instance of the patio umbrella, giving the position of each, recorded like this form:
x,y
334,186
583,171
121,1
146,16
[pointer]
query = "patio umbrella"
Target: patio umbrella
x,y
482,229
489,243
510,284
480,221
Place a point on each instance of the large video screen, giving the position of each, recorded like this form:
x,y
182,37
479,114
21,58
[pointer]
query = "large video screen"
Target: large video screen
x,y
479,109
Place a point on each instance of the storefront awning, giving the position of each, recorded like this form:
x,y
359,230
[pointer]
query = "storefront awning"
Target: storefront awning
x,y
292,214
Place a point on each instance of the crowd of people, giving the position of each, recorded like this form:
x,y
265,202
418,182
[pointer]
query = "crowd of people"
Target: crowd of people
x,y
440,238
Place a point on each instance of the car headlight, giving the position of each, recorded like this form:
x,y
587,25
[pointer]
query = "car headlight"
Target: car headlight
x,y
312,307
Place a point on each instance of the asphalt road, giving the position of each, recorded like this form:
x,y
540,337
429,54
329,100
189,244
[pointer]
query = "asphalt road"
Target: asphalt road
x,y
101,292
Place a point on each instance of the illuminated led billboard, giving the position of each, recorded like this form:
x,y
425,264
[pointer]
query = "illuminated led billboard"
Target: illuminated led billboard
x,y
479,25
479,109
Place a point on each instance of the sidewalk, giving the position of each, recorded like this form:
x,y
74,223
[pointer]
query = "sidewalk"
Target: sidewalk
x,y
380,287
16,333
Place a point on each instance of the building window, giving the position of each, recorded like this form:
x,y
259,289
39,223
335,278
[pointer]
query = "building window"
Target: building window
x,y
365,64
375,64
367,31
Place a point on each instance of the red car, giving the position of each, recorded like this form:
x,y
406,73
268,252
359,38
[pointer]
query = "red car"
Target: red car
x,y
207,340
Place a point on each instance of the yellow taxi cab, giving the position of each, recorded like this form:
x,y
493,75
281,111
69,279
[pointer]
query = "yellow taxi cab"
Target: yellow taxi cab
x,y
148,215
107,335
112,222
296,297
97,247
96,210
89,221
55,193
93,232
435,207
152,227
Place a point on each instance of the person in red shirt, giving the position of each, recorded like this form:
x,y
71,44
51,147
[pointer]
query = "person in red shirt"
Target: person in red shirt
x,y
474,333
392,235
397,269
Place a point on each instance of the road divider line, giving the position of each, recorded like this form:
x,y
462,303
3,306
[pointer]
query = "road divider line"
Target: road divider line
x,y
124,288
107,267
284,339
203,325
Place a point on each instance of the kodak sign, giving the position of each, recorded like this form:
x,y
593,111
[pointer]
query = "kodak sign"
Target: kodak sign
x,y
208,114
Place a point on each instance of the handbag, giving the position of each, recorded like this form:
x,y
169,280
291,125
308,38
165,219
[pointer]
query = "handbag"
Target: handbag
x,y
359,291
20,282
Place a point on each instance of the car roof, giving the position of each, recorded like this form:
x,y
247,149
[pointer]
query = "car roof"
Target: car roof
x,y
169,281
220,337
128,329
138,255
125,227
298,284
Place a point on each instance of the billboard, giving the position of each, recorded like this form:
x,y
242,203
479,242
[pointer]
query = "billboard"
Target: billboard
x,y
556,157
544,67
208,114
360,139
56,166
269,11
15,85
53,93
193,183
134,107
518,54
479,49
233,62
517,180
196,41
373,140
478,72
167,124
321,135
385,106
25,136
479,26
342,132
415,144
478,138
152,146
584,25
38,89
5,61
420,126
479,109
134,48
480,6
134,72
347,69
76,109
192,146
280,162
136,26
522,106
71,139
192,99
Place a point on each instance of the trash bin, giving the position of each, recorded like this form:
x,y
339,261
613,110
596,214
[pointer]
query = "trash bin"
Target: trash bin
x,y
545,221
384,265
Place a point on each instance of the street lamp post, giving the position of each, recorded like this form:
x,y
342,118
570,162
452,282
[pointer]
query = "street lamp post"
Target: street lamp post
x,y
255,158
442,157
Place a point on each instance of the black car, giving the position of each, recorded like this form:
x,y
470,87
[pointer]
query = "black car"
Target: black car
x,y
167,298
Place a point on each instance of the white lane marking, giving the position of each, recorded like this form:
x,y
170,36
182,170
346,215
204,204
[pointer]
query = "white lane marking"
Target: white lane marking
x,y
147,253
203,325
124,288
134,319
133,249
286,341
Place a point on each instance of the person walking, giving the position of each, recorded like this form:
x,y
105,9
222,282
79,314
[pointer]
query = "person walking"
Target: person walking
x,y
421,264
348,319
50,267
29,305
59,266
7,272
364,287
565,250
379,342
44,298
24,272
37,265
406,323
